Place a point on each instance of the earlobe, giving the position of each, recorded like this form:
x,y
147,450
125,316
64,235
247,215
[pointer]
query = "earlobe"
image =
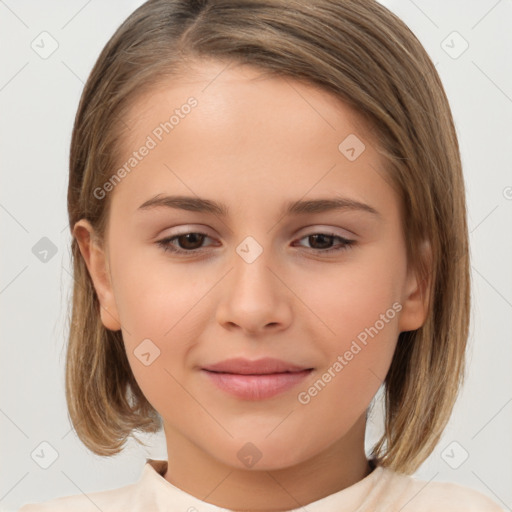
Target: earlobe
x,y
97,265
416,296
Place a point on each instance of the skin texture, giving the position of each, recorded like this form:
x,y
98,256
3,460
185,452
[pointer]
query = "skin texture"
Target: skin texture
x,y
254,143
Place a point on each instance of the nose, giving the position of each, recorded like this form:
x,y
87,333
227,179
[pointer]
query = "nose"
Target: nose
x,y
254,296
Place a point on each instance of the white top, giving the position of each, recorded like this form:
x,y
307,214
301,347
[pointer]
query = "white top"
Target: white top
x,y
381,490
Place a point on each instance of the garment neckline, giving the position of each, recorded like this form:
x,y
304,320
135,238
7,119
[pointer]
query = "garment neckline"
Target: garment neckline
x,y
355,495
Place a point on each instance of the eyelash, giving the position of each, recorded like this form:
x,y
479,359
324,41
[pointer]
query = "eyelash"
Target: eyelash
x,y
166,243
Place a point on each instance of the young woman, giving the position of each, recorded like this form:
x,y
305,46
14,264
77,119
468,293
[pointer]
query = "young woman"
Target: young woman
x,y
268,212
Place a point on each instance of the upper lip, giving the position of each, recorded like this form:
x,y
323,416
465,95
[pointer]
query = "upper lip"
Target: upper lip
x,y
262,366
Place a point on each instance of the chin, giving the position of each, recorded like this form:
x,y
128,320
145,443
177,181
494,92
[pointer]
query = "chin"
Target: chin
x,y
265,455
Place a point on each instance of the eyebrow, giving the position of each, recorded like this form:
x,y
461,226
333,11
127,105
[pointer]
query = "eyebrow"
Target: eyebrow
x,y
197,204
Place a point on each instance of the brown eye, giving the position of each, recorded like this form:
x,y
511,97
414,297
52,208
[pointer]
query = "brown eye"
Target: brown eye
x,y
190,241
322,242
183,243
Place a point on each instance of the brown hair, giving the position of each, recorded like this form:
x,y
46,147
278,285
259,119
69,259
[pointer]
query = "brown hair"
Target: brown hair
x,y
369,59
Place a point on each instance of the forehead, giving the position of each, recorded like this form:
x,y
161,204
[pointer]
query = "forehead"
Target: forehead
x,y
247,95
248,131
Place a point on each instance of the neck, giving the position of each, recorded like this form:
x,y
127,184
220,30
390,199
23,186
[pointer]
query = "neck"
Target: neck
x,y
194,471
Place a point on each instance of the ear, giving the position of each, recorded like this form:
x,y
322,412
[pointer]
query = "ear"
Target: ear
x,y
97,265
416,293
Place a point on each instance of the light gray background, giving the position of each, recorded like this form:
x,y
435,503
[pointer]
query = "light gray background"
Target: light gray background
x,y
38,101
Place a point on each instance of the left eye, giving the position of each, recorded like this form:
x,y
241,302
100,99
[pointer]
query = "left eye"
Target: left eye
x,y
191,242
316,237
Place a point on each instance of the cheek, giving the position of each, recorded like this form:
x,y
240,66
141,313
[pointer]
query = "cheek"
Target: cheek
x,y
159,313
155,299
359,308
356,363
353,295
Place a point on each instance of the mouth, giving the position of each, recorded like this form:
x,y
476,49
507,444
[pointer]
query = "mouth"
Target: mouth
x,y
255,380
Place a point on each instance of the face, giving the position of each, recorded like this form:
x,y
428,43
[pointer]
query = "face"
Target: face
x,y
232,271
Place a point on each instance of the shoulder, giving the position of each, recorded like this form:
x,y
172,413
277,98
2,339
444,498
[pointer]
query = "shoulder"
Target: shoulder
x,y
122,498
417,495
144,494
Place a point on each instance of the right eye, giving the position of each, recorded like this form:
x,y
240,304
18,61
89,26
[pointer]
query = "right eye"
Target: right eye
x,y
189,241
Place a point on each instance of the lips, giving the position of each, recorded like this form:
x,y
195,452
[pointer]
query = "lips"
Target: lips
x,y
255,380
263,366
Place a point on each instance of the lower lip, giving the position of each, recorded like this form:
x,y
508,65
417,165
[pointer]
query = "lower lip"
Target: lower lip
x,y
256,387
